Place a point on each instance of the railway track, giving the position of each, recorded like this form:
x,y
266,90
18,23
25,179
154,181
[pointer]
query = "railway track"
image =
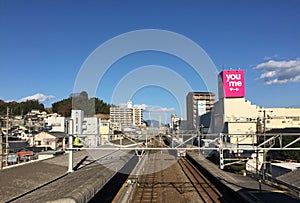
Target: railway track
x,y
167,178
181,182
146,190
204,188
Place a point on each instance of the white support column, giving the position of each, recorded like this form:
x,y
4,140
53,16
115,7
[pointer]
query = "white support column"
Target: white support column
x,y
70,132
64,144
221,159
221,151
70,168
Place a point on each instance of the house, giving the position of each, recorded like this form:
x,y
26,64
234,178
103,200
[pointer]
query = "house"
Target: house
x,y
50,140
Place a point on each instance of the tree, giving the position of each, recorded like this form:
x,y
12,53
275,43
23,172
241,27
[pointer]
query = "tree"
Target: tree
x,y
20,108
81,101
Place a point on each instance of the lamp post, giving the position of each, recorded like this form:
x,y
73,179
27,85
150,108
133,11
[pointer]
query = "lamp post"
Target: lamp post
x,y
1,150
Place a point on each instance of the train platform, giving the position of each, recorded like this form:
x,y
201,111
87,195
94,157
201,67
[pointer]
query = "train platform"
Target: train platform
x,y
48,180
249,189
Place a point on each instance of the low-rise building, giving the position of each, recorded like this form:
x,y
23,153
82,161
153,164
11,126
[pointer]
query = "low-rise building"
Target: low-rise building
x,y
231,110
50,140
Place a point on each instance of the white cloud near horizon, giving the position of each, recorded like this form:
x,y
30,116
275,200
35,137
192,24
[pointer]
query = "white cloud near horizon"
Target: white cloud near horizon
x,y
280,72
158,109
149,108
40,97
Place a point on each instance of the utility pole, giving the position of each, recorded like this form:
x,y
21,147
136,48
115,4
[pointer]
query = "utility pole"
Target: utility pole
x,y
1,152
264,151
6,141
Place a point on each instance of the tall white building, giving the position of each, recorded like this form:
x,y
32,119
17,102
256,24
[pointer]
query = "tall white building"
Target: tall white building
x,y
127,117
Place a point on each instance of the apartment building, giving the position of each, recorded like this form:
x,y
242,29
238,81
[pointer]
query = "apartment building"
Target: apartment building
x,y
197,104
127,117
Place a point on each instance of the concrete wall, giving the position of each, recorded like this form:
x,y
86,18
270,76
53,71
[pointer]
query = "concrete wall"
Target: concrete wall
x,y
240,127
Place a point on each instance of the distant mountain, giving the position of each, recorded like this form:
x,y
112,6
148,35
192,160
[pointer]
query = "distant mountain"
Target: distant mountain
x,y
154,123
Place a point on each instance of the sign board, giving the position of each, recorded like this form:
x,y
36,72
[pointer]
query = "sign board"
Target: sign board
x,y
201,107
233,83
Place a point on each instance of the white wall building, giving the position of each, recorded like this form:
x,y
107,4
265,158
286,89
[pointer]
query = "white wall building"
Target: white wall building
x,y
91,125
77,117
87,128
231,110
57,123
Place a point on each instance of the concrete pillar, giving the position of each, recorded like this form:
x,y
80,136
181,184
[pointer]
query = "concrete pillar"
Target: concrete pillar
x,y
70,167
64,143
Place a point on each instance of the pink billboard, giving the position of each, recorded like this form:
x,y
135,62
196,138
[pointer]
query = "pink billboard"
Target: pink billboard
x,y
233,83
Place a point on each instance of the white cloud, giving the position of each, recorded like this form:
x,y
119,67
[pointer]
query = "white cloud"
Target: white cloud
x,y
157,109
141,106
270,57
148,108
162,109
280,72
40,97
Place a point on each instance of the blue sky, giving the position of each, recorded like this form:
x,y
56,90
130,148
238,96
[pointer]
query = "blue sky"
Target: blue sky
x,y
43,45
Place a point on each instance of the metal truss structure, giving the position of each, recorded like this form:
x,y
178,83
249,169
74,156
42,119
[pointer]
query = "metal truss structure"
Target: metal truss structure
x,y
230,148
